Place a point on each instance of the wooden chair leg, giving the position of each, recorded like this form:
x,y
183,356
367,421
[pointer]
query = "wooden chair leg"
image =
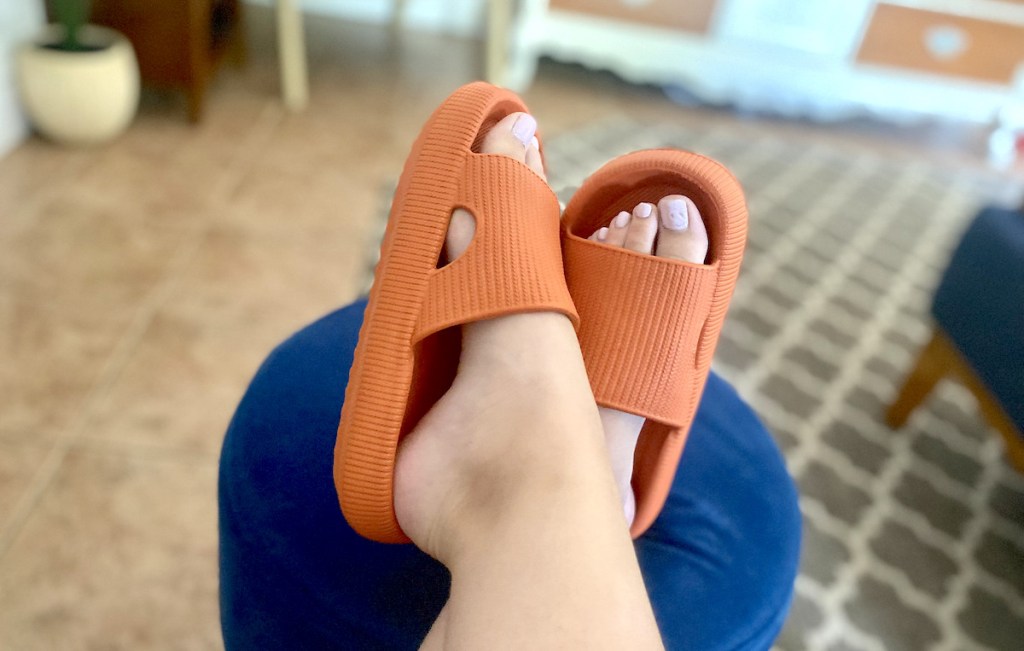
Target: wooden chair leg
x,y
939,359
932,365
1014,447
991,411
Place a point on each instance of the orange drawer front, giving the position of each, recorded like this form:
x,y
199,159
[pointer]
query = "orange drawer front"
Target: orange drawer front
x,y
943,44
689,16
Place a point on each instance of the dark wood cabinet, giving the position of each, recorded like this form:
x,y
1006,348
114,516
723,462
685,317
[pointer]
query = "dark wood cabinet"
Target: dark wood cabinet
x,y
179,43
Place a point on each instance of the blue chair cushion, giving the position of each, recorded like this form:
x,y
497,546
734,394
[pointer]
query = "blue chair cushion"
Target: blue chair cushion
x,y
719,563
980,304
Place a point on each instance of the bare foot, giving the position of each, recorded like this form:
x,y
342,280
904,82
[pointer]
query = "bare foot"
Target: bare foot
x,y
519,407
671,229
507,481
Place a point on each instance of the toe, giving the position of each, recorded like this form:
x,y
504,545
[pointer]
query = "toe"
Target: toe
x,y
617,229
511,137
600,235
643,228
534,160
682,234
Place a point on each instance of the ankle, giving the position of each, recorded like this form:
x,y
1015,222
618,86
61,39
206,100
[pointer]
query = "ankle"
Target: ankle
x,y
520,490
501,443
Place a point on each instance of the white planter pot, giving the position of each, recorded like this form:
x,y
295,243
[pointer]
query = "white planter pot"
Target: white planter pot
x,y
79,98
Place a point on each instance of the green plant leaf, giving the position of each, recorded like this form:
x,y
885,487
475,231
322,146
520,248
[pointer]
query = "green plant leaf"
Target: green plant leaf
x,y
72,14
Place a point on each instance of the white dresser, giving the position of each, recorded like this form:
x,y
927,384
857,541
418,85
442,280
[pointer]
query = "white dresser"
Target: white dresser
x,y
898,59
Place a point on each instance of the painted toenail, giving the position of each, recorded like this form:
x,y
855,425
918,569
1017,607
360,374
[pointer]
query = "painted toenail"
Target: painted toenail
x,y
602,234
676,217
643,210
524,128
621,219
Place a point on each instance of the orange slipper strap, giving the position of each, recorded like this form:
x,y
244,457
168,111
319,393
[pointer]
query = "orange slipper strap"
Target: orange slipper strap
x,y
644,317
513,264
649,325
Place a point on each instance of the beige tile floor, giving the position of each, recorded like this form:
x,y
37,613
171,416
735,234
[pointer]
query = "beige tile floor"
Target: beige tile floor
x,y
142,283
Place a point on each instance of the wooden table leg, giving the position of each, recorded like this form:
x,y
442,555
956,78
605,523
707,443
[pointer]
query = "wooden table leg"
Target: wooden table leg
x,y
499,21
291,45
939,359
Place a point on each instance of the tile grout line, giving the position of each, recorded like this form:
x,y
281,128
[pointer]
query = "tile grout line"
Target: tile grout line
x,y
118,359
129,341
146,451
244,159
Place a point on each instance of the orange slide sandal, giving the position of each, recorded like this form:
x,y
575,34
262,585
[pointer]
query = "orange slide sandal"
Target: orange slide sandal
x,y
408,349
649,325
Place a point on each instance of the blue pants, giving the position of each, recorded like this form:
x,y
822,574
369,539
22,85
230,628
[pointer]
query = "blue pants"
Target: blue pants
x,y
719,563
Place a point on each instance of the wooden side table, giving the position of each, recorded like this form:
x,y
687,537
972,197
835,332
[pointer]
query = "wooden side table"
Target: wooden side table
x,y
181,44
178,45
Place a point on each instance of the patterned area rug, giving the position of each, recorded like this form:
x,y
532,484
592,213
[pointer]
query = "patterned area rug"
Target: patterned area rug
x,y
913,539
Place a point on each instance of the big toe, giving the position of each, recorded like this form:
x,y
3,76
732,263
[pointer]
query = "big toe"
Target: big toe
x,y
514,136
681,231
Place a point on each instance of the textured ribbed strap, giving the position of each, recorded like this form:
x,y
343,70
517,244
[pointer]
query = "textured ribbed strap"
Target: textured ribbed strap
x,y
643,322
514,263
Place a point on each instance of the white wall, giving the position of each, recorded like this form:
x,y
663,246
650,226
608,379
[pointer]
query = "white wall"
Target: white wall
x,y
463,17
19,21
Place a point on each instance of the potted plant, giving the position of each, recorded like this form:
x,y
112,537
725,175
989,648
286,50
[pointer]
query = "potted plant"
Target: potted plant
x,y
79,83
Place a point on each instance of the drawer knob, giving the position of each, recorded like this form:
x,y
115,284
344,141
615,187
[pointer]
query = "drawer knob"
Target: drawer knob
x,y
946,42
